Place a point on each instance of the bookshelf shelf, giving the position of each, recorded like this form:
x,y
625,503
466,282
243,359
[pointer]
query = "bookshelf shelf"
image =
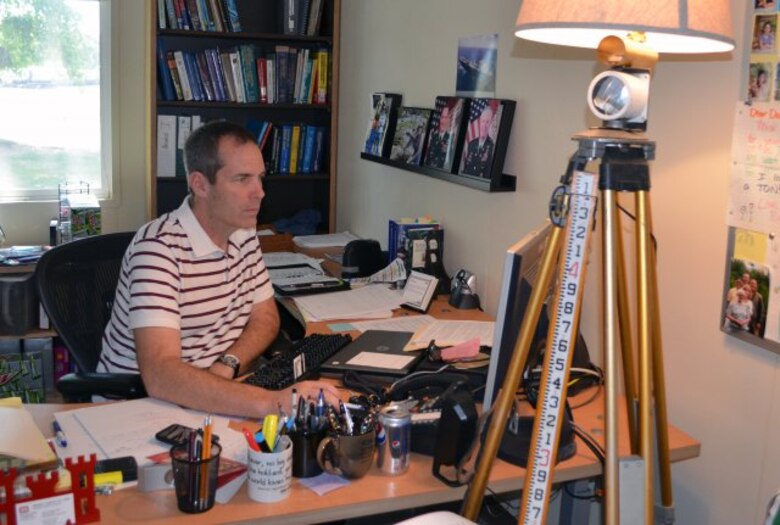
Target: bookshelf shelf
x,y
261,31
240,105
508,182
243,36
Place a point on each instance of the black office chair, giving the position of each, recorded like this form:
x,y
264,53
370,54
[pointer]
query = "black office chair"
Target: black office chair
x,y
76,284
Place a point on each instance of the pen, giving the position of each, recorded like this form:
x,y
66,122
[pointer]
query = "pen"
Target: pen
x,y
60,435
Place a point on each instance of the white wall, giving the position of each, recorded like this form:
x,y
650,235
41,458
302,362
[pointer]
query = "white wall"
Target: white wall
x,y
28,222
721,391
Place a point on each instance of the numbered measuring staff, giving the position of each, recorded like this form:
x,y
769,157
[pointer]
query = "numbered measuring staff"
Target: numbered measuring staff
x,y
552,391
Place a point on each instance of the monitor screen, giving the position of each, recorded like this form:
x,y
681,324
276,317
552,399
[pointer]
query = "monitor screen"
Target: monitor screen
x,y
520,269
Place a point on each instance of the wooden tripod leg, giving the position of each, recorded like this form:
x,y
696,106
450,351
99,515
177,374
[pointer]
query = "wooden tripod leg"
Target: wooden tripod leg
x,y
506,396
644,315
626,343
659,383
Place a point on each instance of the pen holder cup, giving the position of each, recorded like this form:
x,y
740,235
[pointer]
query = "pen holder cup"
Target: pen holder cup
x,y
305,445
347,456
195,480
270,473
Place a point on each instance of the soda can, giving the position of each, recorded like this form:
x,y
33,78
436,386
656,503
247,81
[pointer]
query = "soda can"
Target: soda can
x,y
393,456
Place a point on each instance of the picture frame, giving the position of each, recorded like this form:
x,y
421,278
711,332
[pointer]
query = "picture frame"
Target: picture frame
x,y
411,132
381,124
444,133
486,137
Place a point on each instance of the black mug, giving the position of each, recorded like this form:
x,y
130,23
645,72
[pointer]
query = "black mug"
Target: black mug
x,y
305,443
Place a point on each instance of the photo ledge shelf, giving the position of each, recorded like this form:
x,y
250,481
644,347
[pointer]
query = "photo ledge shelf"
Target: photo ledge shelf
x,y
507,182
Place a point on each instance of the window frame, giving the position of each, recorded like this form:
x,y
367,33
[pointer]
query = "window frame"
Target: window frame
x,y
107,175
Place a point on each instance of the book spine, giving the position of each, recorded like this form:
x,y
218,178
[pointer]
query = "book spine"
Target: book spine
x,y
162,21
262,79
302,15
194,14
203,13
318,165
186,23
216,16
270,68
322,77
315,16
227,75
164,74
249,69
296,98
282,56
266,133
308,148
214,72
181,67
238,76
205,76
166,146
306,81
288,17
174,71
184,127
196,84
284,152
170,11
232,15
276,148
295,142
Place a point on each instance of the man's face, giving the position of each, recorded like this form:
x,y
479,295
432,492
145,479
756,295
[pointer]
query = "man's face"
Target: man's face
x,y
485,120
233,201
444,119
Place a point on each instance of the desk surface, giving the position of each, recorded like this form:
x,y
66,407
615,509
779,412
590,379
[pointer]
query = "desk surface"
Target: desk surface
x,y
375,493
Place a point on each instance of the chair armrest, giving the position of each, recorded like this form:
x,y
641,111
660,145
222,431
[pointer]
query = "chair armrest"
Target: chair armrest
x,y
83,385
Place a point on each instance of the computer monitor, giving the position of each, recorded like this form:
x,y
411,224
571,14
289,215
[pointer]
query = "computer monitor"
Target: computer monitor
x,y
520,269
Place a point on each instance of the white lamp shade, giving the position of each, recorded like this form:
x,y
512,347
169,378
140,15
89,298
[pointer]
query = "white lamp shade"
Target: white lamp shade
x,y
671,26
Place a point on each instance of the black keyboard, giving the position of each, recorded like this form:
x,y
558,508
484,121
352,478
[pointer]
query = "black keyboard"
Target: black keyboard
x,y
297,362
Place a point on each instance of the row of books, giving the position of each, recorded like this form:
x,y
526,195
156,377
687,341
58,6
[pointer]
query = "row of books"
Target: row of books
x,y
198,15
294,148
240,74
301,17
288,148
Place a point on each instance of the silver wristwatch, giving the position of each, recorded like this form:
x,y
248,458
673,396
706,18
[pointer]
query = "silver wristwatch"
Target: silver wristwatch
x,y
231,361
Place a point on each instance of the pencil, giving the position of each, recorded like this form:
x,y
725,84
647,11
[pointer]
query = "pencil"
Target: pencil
x,y
204,470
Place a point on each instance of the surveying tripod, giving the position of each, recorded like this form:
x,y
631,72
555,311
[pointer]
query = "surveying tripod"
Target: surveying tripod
x,y
623,167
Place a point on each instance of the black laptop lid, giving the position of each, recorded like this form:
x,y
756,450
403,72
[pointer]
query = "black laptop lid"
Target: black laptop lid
x,y
375,352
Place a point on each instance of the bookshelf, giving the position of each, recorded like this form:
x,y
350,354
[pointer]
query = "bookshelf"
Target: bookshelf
x,y
289,188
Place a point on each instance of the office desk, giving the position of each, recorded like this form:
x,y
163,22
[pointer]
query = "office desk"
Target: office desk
x,y
373,494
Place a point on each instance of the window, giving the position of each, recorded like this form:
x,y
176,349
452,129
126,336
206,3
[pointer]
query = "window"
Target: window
x,y
54,95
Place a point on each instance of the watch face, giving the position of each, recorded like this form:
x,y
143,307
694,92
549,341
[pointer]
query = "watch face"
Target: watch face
x,y
231,361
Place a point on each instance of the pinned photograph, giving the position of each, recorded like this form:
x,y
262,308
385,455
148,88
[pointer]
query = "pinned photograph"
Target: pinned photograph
x,y
759,81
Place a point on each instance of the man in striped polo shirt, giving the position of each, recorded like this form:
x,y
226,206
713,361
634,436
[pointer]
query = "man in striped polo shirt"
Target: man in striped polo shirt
x,y
194,306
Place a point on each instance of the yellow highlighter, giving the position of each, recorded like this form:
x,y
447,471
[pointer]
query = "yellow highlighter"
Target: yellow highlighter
x,y
270,424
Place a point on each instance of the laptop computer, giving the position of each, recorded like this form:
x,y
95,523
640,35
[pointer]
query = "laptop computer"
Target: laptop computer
x,y
378,353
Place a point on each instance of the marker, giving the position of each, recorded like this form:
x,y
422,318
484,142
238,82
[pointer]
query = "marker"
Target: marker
x,y
270,426
250,440
59,434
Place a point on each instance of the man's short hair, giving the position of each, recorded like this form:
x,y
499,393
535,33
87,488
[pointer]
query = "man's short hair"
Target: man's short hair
x,y
201,151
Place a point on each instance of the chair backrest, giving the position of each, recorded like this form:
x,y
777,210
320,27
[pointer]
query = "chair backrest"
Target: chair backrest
x,y
76,284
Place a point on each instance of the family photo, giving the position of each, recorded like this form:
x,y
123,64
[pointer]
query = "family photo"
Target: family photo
x,y
746,300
